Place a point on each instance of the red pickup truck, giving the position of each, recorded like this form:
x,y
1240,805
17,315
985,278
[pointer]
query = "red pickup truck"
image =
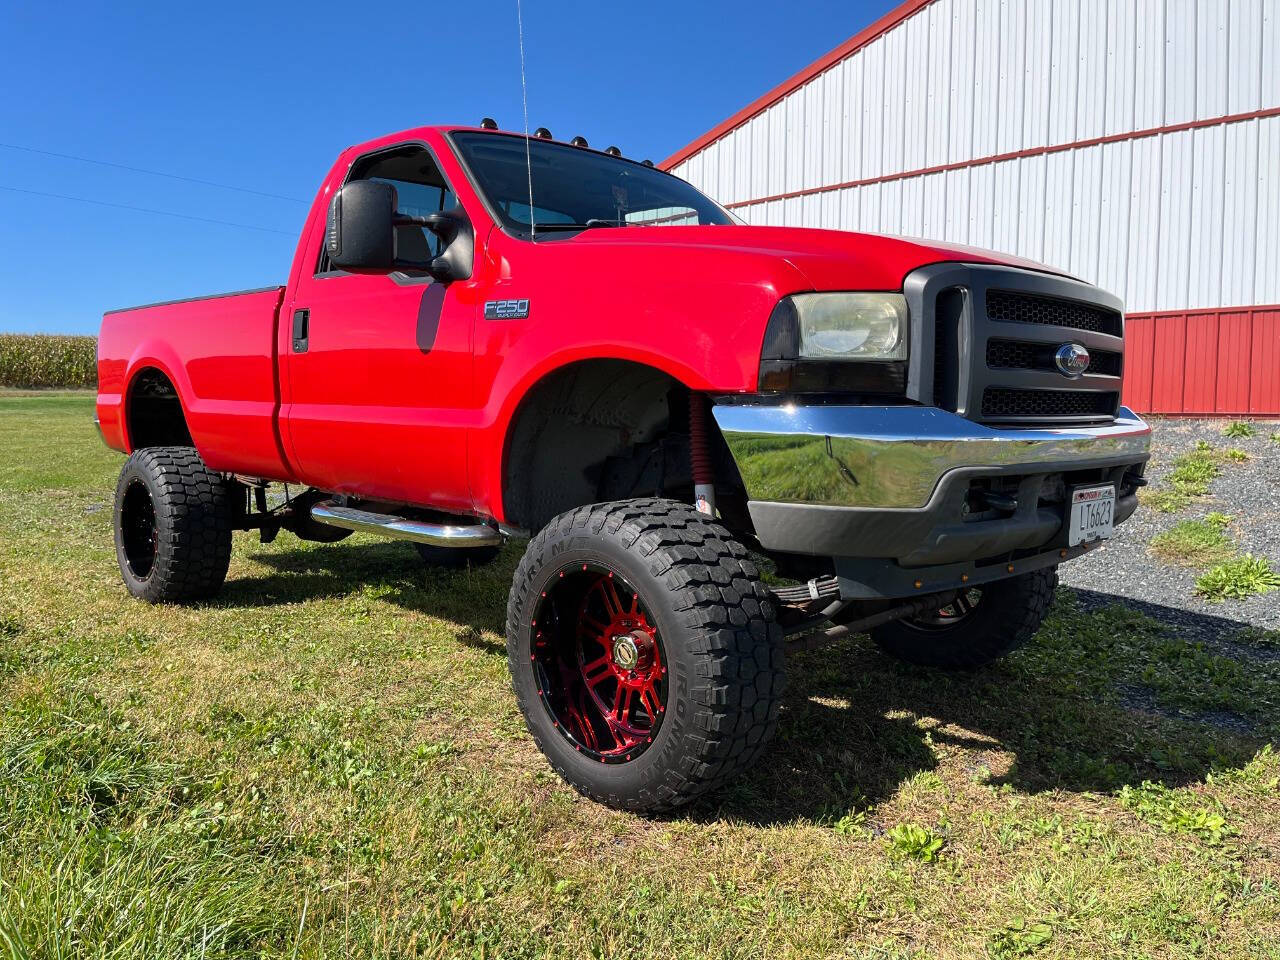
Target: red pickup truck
x,y
488,336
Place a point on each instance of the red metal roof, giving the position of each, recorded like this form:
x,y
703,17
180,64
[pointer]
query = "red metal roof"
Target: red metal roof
x,y
861,39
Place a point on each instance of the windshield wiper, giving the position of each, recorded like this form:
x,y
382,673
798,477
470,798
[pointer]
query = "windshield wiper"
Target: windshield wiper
x,y
589,225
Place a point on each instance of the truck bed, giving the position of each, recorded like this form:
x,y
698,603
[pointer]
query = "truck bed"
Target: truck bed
x,y
220,353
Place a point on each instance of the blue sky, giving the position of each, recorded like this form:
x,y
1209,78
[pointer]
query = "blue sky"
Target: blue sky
x,y
262,96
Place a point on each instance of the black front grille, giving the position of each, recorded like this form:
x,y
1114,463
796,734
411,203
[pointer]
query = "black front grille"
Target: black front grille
x,y
1018,355
948,314
1001,403
990,364
1008,306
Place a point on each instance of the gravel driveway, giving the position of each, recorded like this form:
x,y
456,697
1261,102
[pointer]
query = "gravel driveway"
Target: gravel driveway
x,y
1249,492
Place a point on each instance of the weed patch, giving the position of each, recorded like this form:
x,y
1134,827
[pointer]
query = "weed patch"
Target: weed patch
x,y
1194,543
1239,430
1258,637
1189,478
1195,470
1174,812
915,842
1164,501
1019,938
1237,579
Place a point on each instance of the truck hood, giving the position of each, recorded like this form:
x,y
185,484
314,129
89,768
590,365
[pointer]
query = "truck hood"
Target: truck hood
x,y
828,259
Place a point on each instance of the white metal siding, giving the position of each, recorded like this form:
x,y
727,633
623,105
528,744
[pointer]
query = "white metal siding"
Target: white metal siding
x,y
1174,220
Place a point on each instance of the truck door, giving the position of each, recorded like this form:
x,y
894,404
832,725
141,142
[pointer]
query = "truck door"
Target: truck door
x,y
379,366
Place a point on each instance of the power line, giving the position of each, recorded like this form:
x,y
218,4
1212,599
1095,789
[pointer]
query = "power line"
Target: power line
x,y
160,213
152,173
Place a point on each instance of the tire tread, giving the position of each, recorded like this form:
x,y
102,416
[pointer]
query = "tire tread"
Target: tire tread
x,y
193,524
729,627
1017,616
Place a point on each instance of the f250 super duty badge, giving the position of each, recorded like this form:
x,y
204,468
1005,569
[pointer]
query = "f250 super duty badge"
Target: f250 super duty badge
x,y
506,309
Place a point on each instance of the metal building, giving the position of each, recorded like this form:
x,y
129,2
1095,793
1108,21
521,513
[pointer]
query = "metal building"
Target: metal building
x,y
1134,143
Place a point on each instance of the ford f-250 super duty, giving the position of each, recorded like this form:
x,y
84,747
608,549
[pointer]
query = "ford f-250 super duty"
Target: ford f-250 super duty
x,y
487,336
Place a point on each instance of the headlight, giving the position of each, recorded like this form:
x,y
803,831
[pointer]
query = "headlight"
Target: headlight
x,y
837,343
852,326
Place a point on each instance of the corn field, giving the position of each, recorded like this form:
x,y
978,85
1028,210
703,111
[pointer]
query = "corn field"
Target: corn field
x,y
41,360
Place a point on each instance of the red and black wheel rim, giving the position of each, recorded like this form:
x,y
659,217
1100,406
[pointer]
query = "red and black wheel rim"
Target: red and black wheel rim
x,y
598,662
138,529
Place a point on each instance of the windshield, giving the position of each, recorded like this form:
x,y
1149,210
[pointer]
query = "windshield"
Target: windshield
x,y
575,188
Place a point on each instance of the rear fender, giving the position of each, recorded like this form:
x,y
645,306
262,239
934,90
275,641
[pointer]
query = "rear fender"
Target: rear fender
x,y
154,354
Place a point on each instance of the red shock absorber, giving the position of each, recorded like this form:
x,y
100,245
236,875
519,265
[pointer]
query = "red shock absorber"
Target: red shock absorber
x,y
704,490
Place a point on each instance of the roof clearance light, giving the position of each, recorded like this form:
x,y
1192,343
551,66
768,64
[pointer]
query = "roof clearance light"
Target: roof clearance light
x,y
488,123
613,152
542,133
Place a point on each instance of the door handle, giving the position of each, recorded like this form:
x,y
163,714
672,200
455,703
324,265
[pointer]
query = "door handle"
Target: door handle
x,y
301,324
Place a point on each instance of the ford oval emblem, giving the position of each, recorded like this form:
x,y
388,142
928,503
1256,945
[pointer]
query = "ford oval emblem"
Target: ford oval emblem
x,y
1072,359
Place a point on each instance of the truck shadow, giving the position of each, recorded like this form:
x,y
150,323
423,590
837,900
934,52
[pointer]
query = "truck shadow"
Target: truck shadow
x,y
1095,702
475,598
1079,709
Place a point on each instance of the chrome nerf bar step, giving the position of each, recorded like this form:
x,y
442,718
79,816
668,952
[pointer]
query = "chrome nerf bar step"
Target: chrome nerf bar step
x,y
402,528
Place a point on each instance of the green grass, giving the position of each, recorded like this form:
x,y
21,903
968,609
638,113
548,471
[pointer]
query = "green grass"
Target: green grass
x,y
1194,543
1260,638
326,761
1238,578
42,360
1164,501
1189,478
1238,429
1195,470
915,842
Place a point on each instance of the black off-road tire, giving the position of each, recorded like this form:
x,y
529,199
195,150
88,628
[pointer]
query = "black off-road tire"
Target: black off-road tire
x,y
721,642
1007,615
456,558
191,514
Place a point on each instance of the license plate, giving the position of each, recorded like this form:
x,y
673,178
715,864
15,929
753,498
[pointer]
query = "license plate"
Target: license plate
x,y
1092,514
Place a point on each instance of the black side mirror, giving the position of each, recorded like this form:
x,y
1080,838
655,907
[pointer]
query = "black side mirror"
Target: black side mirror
x,y
361,233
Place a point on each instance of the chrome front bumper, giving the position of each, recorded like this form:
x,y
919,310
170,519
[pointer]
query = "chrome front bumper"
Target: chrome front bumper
x,y
888,492
896,457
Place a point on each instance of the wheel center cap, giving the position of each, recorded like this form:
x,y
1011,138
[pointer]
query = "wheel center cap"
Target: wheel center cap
x,y
626,654
632,651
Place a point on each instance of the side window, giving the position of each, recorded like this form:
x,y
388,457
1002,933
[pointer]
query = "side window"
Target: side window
x,y
420,189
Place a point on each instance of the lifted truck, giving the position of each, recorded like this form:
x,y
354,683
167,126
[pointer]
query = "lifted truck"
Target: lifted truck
x,y
486,336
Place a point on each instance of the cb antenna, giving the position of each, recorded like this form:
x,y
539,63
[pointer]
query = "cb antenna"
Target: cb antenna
x,y
524,97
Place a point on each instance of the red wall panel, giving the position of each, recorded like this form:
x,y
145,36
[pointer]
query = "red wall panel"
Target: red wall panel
x,y
1168,380
1264,370
1139,354
1235,346
1204,362
1200,369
